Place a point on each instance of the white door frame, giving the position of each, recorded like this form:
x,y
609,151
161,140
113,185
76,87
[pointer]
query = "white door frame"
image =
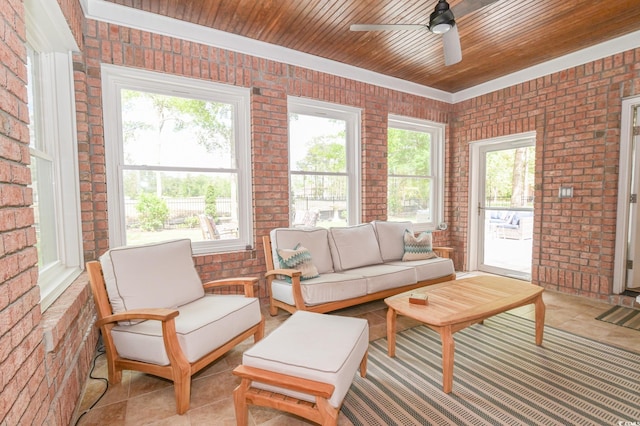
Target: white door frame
x,y
474,181
624,192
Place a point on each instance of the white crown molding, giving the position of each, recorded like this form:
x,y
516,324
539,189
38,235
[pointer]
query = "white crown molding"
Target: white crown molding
x,y
47,28
116,14
589,54
102,10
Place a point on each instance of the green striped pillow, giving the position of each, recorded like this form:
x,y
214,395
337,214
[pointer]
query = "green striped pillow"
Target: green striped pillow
x,y
298,258
417,248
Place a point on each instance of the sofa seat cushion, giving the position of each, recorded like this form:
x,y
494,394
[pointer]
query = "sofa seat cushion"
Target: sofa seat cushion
x,y
385,276
429,269
326,288
391,238
354,246
202,326
313,239
324,348
159,275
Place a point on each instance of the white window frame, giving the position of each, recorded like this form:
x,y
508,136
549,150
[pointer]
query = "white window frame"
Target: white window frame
x,y
353,117
49,36
437,132
116,78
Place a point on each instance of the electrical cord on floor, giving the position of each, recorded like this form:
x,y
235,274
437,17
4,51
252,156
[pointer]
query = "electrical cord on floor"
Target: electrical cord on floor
x,y
99,351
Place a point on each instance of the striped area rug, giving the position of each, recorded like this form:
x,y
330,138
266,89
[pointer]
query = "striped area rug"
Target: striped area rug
x,y
500,378
619,315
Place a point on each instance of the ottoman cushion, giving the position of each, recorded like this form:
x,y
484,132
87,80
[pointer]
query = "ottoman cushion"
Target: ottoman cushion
x,y
325,348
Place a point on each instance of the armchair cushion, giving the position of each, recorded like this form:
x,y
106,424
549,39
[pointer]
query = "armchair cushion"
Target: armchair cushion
x,y
160,275
202,326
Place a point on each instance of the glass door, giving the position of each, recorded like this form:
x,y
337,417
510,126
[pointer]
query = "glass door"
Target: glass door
x,y
505,208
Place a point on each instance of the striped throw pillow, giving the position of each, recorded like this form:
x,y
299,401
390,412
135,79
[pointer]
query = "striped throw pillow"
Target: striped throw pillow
x,y
417,248
298,258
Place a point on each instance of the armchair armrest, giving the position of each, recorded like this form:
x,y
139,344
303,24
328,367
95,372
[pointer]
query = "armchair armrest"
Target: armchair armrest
x,y
312,387
158,314
247,282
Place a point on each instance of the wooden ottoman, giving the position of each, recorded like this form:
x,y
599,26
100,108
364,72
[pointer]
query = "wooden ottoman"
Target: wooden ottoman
x,y
304,367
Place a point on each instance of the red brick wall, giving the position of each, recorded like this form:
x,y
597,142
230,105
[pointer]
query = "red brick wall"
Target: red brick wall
x,y
21,347
271,83
38,384
576,114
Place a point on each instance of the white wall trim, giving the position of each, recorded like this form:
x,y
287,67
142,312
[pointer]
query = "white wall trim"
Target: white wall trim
x,y
592,53
474,180
624,191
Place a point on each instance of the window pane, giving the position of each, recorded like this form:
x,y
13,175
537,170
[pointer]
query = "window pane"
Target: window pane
x,y
318,164
176,132
414,165
317,144
410,199
42,172
44,211
323,195
166,205
409,152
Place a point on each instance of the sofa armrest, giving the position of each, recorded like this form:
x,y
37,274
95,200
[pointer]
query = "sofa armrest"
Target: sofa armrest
x,y
446,252
246,282
294,274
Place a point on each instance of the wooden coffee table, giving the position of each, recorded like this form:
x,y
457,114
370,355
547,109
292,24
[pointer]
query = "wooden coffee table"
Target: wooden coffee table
x,y
457,304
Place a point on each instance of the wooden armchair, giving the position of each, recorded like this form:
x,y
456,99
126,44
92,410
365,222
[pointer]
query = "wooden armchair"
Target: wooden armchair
x,y
156,317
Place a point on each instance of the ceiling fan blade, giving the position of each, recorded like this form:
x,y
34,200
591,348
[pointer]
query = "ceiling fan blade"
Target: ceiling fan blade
x,y
451,45
388,27
468,6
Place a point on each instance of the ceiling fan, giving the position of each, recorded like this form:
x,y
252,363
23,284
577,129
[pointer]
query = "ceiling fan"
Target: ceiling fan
x,y
441,21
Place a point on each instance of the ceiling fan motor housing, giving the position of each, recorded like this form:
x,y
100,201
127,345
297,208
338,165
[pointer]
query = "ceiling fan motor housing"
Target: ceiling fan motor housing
x,y
441,19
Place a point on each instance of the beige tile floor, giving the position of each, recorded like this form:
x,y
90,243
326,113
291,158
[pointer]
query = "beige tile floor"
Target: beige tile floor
x,y
143,399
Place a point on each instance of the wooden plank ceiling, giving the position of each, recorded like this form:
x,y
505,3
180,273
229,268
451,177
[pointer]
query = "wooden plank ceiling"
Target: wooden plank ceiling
x,y
498,39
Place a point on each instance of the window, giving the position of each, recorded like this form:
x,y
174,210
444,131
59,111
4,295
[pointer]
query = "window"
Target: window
x,y
324,163
53,149
178,160
415,171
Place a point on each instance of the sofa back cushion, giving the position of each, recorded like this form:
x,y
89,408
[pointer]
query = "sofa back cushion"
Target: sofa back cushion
x,y
315,240
354,246
391,238
160,275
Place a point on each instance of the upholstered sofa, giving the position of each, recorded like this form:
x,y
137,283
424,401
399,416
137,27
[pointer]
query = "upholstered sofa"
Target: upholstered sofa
x,y
341,267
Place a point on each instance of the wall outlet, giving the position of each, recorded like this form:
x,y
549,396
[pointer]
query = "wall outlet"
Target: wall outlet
x,y
565,192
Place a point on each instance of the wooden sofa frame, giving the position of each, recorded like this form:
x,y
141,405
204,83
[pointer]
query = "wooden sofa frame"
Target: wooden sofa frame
x,y
322,308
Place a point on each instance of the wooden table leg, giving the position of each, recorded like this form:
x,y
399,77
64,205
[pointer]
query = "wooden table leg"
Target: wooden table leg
x,y
540,310
391,332
448,348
